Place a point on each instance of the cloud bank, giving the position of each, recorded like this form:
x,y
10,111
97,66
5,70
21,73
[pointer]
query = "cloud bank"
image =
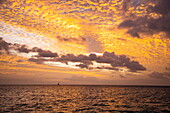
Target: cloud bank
x,y
108,60
158,75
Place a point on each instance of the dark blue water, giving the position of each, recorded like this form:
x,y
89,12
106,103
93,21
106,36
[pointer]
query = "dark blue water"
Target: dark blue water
x,y
84,99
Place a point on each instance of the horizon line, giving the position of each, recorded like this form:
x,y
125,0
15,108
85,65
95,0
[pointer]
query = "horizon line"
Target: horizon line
x,y
84,85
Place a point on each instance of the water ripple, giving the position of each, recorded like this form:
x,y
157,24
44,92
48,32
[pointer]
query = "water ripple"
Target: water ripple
x,y
86,99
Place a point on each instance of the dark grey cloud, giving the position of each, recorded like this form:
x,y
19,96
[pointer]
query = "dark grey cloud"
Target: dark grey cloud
x,y
4,45
36,49
162,23
2,1
167,68
68,57
146,24
158,75
85,60
107,57
82,66
127,23
130,24
24,49
1,61
85,64
133,33
163,7
47,53
134,66
82,57
41,52
108,68
20,60
38,61
92,57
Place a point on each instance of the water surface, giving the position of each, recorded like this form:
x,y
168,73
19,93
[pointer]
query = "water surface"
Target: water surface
x,y
86,99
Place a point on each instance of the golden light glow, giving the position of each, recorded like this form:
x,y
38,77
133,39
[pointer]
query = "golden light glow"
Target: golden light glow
x,y
10,65
97,21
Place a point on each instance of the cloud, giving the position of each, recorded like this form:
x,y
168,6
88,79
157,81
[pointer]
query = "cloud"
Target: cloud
x,y
121,60
1,61
84,60
127,23
92,57
68,57
108,68
133,33
167,68
82,66
2,1
158,75
162,7
147,24
41,52
38,61
20,60
85,64
24,49
87,61
134,66
82,57
4,45
107,57
47,53
36,49
81,78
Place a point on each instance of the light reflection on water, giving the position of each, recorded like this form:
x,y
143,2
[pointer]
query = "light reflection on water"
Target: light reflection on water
x,y
84,99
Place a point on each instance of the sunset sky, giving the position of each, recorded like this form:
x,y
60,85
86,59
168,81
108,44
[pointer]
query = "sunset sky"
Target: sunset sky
x,y
101,42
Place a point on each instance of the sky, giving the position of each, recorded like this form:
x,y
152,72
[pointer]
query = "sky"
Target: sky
x,y
97,42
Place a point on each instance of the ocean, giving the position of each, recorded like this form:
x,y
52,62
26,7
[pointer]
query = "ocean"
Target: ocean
x,y
84,99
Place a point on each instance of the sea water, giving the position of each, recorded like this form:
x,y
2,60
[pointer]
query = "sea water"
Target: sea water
x,y
84,99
